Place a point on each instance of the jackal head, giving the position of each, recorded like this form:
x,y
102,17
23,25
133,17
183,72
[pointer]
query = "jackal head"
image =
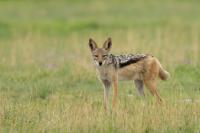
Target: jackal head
x,y
100,55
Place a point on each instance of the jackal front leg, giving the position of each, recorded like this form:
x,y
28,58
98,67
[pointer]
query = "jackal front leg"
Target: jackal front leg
x,y
115,90
107,85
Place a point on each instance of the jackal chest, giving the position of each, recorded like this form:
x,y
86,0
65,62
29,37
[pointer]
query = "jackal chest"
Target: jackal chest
x,y
105,73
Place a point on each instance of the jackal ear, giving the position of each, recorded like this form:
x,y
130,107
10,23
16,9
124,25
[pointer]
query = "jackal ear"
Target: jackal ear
x,y
107,44
92,44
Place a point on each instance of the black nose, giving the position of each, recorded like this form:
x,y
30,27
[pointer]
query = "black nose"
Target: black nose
x,y
100,63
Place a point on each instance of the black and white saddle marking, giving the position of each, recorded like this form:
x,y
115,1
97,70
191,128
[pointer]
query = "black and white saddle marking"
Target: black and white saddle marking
x,y
125,60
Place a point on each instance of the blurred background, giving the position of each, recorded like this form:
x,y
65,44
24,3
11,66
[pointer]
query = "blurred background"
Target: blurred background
x,y
44,53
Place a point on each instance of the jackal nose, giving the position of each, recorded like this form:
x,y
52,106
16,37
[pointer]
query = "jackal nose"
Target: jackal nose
x,y
100,63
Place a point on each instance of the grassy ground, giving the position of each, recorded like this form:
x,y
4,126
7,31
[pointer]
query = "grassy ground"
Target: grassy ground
x,y
47,80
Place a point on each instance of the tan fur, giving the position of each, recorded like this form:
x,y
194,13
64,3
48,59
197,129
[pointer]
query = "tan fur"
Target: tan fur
x,y
115,90
147,71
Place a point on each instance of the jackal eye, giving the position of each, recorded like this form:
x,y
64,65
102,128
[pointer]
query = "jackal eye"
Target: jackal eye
x,y
104,56
96,56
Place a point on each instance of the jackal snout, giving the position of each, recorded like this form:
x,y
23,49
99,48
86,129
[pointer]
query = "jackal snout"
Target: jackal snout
x,y
100,63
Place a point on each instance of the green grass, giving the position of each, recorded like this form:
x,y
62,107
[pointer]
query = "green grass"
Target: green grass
x,y
48,82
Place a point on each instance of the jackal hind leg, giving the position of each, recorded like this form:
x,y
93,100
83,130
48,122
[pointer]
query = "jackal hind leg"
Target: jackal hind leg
x,y
151,85
140,87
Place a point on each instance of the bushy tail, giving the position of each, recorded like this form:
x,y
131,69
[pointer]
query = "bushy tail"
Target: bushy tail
x,y
163,74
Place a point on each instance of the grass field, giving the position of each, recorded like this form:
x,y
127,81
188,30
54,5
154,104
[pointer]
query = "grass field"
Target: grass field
x,y
48,82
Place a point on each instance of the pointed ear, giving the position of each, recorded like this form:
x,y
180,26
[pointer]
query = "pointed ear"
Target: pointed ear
x,y
107,44
92,44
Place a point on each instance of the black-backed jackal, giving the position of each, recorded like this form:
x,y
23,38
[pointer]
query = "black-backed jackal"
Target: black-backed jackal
x,y
141,68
